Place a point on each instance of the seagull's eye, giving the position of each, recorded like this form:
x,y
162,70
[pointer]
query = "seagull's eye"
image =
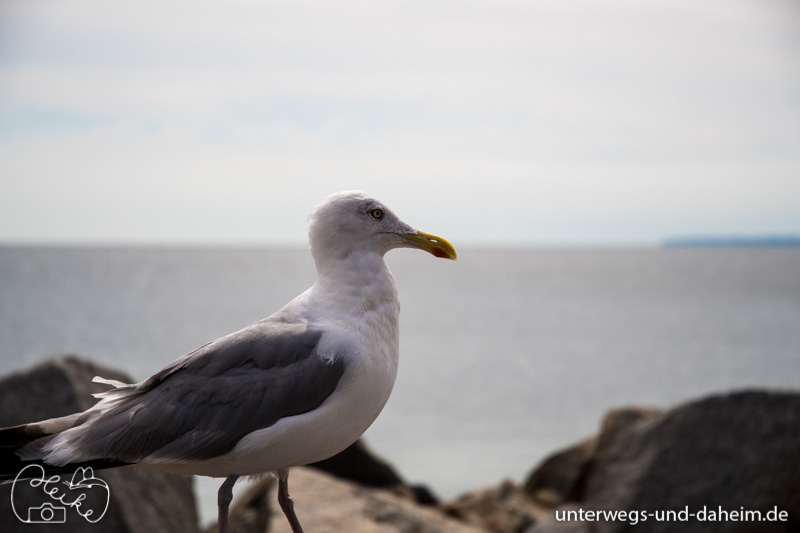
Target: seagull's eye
x,y
376,213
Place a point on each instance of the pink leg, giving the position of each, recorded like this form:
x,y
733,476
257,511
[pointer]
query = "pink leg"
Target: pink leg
x,y
224,497
286,502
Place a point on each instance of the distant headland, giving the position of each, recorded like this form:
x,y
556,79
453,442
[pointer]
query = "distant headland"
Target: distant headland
x,y
733,241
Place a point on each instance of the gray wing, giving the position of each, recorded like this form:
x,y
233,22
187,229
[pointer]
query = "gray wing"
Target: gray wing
x,y
204,403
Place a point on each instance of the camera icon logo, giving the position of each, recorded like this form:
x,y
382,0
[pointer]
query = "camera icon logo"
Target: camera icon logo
x,y
47,513
72,493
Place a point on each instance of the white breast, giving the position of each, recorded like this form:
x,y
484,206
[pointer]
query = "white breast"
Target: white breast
x,y
361,326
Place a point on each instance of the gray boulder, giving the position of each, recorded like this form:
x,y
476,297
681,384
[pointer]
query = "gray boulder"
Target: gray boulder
x,y
140,499
733,453
561,478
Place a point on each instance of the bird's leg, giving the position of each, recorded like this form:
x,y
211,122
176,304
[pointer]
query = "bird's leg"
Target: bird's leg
x,y
286,502
224,497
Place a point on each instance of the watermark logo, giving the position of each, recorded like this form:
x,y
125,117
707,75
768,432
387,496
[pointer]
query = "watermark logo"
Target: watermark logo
x,y
88,495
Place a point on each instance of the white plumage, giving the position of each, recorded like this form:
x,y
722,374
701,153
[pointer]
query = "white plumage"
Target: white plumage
x,y
296,387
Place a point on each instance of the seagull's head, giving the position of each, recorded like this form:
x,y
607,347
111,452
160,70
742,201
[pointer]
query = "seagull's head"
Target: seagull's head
x,y
352,221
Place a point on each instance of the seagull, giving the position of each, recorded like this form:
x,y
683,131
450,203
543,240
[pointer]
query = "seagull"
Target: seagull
x,y
294,388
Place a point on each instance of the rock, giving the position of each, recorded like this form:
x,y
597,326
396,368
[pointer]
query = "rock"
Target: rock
x,y
619,423
502,509
561,477
556,479
737,452
141,499
326,504
617,426
360,464
423,495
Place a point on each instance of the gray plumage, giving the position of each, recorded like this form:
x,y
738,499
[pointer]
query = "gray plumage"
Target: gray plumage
x,y
292,389
201,405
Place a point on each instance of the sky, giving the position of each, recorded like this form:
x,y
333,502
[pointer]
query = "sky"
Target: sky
x,y
496,122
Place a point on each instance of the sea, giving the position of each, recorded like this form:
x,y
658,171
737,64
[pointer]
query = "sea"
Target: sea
x,y
507,355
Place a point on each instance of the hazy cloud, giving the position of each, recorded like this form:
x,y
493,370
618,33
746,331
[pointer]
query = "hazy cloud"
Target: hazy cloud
x,y
525,122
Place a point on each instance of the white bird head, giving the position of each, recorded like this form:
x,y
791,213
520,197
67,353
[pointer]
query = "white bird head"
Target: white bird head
x,y
352,221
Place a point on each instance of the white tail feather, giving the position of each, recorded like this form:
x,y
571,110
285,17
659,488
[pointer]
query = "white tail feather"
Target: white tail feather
x,y
113,382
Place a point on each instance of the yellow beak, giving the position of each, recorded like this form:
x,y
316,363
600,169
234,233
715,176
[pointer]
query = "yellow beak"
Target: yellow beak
x,y
432,244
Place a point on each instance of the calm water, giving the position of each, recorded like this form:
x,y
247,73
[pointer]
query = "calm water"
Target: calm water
x,y
507,355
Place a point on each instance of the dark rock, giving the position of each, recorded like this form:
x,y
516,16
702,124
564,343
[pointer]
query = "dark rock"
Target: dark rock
x,y
737,452
555,480
617,426
360,464
423,495
141,499
505,508
560,478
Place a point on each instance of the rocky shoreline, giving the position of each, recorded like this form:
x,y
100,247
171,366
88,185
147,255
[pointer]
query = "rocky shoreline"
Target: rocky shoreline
x,y
727,463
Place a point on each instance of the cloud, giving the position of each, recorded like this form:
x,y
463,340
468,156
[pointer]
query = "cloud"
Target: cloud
x,y
136,119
